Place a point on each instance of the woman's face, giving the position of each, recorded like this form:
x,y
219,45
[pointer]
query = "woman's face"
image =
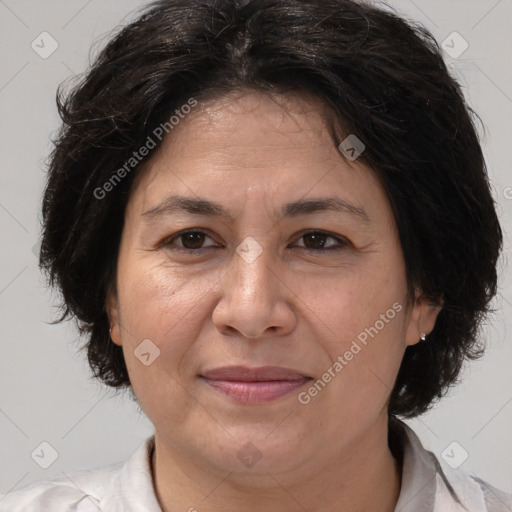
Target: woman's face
x,y
251,286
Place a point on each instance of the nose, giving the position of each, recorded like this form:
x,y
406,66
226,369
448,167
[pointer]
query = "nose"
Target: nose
x,y
256,301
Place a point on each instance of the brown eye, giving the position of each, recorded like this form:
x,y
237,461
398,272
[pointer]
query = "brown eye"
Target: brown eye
x,y
319,241
188,241
315,240
192,240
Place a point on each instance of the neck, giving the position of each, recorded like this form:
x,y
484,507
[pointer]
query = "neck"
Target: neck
x,y
363,479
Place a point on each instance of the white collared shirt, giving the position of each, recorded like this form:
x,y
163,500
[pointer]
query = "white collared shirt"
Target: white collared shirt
x,y
428,485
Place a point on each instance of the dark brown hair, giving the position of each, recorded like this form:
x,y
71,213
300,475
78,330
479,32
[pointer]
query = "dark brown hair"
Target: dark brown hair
x,y
383,78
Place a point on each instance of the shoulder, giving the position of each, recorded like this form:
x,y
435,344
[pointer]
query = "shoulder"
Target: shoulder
x,y
428,479
497,500
79,491
118,487
474,493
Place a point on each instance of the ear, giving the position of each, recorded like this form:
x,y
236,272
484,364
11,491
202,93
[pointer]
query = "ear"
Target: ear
x,y
422,319
112,305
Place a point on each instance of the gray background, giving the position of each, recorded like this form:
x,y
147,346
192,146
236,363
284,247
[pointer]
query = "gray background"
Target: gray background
x,y
46,391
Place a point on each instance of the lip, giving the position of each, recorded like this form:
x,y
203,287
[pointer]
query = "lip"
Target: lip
x,y
254,385
254,374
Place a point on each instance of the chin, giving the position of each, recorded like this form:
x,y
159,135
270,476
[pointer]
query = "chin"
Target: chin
x,y
261,451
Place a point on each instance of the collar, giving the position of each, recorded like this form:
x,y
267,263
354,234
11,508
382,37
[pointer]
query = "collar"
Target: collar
x,y
430,485
132,488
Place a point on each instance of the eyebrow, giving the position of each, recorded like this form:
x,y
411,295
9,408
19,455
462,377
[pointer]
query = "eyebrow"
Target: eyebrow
x,y
202,206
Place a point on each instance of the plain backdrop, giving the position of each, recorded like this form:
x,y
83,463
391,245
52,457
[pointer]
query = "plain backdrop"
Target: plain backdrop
x,y
47,393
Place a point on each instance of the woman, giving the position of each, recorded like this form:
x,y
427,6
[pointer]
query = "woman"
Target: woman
x,y
273,222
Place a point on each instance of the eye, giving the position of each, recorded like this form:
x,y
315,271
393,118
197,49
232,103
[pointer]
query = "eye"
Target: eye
x,y
316,241
190,241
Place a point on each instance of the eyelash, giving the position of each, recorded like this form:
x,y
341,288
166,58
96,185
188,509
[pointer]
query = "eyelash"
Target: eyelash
x,y
341,241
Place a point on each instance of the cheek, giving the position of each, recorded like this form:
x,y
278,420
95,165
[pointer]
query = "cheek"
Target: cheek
x,y
368,334
160,298
364,368
160,317
365,316
163,306
356,300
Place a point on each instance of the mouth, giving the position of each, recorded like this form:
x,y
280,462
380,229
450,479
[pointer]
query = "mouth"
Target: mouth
x,y
254,385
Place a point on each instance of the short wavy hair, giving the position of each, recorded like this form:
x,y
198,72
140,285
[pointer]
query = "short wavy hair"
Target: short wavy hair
x,y
382,78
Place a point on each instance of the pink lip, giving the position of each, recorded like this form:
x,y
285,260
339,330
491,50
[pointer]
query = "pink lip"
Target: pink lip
x,y
254,385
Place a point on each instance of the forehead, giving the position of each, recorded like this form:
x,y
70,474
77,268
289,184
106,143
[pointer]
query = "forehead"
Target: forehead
x,y
250,143
237,126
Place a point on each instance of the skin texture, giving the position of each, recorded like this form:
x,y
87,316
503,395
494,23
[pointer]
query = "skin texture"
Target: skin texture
x,y
291,307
